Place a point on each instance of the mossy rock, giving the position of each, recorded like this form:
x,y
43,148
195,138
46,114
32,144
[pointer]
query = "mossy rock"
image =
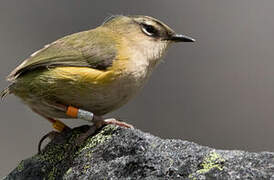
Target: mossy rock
x,y
119,153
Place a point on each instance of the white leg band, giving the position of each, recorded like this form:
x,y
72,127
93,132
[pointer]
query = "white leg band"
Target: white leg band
x,y
85,115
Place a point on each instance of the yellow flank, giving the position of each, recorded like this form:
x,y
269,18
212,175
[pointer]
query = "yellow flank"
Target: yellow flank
x,y
85,74
95,76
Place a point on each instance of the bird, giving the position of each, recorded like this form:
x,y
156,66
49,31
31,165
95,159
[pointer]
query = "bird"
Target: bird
x,y
88,74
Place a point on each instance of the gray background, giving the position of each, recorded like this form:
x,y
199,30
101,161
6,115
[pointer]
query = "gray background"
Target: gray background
x,y
217,92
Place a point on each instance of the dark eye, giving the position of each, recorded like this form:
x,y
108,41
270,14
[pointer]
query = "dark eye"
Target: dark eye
x,y
149,30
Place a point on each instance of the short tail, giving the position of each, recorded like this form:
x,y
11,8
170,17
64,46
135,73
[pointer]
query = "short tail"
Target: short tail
x,y
4,93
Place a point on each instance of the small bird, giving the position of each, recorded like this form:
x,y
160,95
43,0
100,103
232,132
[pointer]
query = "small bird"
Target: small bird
x,y
88,74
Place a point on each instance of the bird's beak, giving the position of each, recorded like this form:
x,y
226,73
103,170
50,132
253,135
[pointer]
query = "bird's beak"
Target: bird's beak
x,y
180,38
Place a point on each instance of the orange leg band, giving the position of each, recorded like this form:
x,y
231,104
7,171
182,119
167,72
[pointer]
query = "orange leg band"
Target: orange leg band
x,y
72,112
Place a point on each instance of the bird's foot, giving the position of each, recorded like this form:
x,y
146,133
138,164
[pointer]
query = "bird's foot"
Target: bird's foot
x,y
99,122
57,125
118,123
51,135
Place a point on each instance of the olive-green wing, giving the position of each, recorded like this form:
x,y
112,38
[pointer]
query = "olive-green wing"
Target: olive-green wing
x,y
85,49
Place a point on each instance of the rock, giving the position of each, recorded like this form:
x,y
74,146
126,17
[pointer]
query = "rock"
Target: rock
x,y
119,153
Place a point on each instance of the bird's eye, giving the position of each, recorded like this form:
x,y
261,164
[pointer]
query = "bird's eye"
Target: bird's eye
x,y
149,30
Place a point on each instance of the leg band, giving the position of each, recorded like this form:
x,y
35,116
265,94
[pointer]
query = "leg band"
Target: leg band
x,y
58,125
79,113
86,115
72,112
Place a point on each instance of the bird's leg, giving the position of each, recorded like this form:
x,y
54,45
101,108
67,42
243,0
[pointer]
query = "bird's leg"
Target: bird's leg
x,y
59,126
80,114
97,120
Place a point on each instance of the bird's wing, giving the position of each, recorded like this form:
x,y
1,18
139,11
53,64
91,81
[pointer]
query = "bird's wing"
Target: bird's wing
x,y
85,49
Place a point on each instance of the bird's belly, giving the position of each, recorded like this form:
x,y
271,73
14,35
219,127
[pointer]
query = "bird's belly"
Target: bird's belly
x,y
106,98
76,90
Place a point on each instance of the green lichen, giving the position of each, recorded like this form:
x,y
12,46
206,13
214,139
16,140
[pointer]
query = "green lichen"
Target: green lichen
x,y
86,167
20,166
68,171
55,153
52,174
212,161
101,137
89,154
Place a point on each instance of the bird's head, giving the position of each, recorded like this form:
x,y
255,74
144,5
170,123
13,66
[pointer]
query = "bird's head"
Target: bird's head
x,y
145,34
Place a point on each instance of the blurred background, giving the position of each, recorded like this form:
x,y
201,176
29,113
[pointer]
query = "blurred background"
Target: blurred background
x,y
218,91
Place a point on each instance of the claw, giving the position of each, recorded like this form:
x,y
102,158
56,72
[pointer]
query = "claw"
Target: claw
x,y
49,135
57,125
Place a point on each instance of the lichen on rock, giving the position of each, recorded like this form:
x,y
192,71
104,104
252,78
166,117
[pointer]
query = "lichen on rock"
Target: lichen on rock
x,y
119,153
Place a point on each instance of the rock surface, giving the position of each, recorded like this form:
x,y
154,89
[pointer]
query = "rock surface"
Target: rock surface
x,y
118,153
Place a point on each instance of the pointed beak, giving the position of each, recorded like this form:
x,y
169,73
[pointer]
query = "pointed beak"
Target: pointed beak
x,y
180,38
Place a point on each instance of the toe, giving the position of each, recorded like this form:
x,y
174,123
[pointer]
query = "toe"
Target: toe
x,y
118,123
51,135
